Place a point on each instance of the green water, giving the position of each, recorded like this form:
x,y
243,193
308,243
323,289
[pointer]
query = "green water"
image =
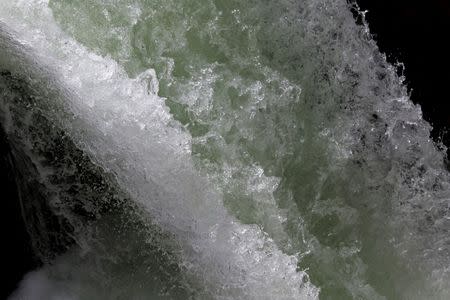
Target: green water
x,y
255,84
297,119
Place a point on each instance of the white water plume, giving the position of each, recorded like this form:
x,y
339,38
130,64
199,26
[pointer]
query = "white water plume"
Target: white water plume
x,y
125,128
267,139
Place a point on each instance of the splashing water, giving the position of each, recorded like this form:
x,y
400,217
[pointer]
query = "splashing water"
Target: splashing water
x,y
219,149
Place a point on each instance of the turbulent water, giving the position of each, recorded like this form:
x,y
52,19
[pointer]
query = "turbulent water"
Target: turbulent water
x,y
218,149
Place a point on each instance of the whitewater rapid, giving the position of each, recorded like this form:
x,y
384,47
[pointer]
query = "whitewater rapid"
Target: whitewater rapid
x,y
120,121
273,153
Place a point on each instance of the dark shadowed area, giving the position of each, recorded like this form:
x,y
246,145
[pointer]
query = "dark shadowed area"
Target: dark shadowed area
x,y
17,255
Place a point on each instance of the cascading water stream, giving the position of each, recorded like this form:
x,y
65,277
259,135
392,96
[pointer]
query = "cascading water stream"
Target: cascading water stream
x,y
225,150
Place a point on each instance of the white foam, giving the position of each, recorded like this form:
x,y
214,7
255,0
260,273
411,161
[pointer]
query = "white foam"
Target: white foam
x,y
126,128
36,285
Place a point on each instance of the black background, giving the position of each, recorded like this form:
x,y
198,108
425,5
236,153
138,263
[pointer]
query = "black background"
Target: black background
x,y
417,33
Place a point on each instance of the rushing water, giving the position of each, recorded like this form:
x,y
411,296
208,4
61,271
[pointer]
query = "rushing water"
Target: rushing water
x,y
218,149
